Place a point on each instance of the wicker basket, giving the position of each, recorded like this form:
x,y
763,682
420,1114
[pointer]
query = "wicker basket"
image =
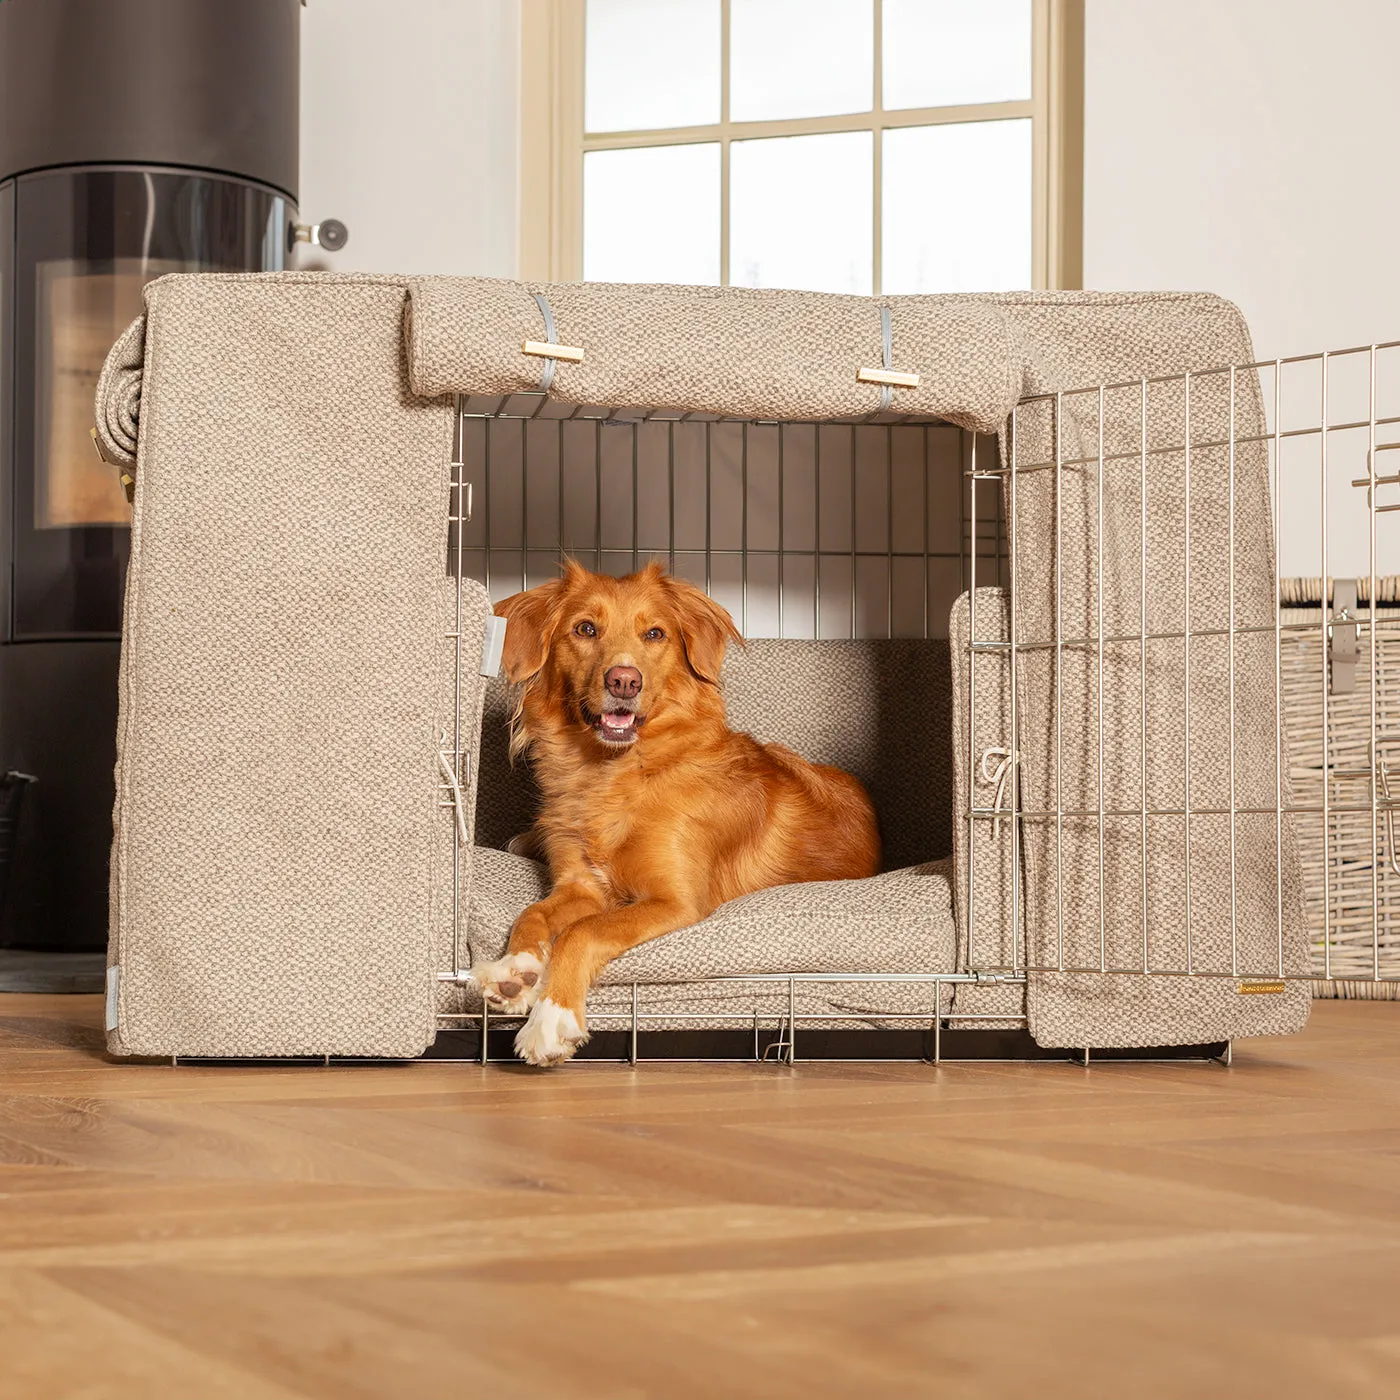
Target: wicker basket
x,y
1351,960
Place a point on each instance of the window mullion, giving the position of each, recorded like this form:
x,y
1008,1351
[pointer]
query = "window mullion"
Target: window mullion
x,y
877,111
724,138
807,126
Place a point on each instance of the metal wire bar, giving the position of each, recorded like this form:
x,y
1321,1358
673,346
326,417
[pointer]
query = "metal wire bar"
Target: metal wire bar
x,y
1277,499
1059,693
1234,897
782,526
1142,668
1375,674
487,494
1242,440
709,496
1324,622
1174,635
923,474
671,498
1186,688
598,499
1098,597
1012,533
972,479
744,529
854,514
889,532
459,472
817,534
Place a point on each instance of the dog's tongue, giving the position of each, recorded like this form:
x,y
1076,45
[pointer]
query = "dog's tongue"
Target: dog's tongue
x,y
618,721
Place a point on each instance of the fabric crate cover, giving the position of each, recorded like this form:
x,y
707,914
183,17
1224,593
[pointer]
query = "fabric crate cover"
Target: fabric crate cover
x,y
282,868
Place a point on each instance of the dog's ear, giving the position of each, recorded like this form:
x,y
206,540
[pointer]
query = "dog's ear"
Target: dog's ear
x,y
531,618
706,628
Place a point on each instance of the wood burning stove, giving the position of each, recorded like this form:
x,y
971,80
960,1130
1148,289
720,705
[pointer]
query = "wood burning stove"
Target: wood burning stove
x,y
137,138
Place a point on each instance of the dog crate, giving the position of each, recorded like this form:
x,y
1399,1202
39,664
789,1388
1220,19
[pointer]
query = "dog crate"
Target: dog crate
x,y
1167,842
1044,624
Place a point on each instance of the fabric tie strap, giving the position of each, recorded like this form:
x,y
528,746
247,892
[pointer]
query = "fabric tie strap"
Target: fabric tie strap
x,y
551,335
887,356
459,801
999,775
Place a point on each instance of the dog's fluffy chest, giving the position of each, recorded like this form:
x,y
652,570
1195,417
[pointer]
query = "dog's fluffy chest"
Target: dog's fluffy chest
x,y
613,817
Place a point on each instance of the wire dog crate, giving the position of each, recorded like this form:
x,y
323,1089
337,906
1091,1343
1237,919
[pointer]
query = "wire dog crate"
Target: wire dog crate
x,y
1170,743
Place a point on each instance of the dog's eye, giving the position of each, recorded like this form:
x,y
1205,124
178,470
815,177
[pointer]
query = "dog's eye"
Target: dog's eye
x,y
586,629
654,634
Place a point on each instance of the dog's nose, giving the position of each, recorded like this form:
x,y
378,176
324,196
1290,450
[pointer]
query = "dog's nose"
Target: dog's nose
x,y
623,682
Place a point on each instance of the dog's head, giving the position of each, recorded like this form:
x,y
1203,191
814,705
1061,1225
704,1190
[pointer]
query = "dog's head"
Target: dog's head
x,y
612,656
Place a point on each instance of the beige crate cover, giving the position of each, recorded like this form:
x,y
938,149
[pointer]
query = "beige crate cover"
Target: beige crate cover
x,y
279,881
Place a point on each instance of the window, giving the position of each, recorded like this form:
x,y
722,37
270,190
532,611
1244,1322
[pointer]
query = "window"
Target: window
x,y
865,146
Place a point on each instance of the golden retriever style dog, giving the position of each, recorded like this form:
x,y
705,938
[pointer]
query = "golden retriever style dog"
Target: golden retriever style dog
x,y
654,811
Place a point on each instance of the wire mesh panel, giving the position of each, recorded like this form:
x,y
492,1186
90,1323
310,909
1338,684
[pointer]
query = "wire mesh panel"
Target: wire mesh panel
x,y
801,530
1189,781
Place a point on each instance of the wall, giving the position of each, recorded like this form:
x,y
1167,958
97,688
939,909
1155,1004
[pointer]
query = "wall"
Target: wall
x,y
1244,147
408,122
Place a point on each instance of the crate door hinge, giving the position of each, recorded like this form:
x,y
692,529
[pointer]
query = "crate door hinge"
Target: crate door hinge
x,y
1341,646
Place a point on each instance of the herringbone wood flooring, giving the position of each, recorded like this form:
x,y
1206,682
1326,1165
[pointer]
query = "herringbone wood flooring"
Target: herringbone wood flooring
x,y
441,1230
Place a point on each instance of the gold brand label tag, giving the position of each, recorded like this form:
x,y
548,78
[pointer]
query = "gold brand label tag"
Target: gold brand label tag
x,y
1258,988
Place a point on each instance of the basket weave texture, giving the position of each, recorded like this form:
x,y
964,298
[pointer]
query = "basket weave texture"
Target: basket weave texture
x,y
1350,872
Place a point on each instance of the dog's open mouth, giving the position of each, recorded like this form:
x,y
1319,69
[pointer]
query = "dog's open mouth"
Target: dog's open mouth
x,y
615,725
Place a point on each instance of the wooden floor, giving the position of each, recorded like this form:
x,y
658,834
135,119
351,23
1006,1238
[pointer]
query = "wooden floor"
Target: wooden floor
x,y
444,1230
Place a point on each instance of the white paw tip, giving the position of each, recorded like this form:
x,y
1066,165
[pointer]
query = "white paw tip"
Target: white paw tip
x,y
550,1036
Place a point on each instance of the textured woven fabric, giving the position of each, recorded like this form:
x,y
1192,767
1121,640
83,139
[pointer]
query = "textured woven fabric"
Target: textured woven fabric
x,y
283,678
731,351
119,396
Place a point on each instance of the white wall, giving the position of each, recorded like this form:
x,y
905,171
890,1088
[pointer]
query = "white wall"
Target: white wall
x,y
1247,147
408,132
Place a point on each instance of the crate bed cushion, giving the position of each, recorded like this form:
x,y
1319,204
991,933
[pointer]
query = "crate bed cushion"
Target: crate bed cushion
x,y
282,865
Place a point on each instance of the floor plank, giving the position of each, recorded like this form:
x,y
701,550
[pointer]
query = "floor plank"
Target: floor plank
x,y
979,1230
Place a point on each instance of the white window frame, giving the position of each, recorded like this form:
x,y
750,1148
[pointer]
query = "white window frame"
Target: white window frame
x,y
553,141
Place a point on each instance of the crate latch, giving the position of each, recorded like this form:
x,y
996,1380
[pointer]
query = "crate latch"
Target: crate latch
x,y
1341,647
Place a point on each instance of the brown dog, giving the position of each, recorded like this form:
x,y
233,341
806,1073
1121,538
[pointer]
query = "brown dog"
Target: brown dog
x,y
655,812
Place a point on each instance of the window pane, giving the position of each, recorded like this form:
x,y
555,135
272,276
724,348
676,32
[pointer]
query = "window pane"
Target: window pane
x,y
651,65
800,212
947,53
800,58
957,207
651,215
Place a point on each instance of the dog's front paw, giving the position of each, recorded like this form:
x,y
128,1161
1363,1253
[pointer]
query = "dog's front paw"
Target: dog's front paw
x,y
511,985
550,1036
